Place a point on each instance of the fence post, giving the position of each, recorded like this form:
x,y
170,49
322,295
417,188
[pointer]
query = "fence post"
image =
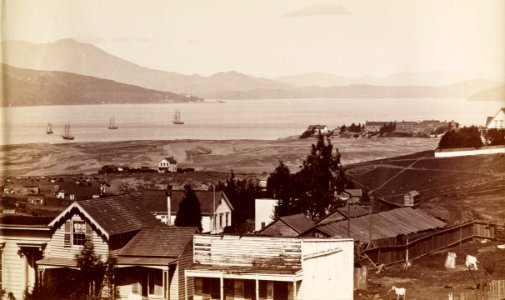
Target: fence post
x,y
433,242
407,251
460,235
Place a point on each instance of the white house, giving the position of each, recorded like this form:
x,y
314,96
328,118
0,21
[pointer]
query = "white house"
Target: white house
x,y
280,268
263,212
22,240
498,121
215,207
168,164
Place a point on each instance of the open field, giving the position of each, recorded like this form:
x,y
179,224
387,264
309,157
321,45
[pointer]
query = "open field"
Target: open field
x,y
243,156
455,189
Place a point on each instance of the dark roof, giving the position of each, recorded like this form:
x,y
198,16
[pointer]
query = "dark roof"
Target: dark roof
x,y
24,220
299,222
170,160
159,241
115,214
341,213
81,190
488,120
156,200
388,224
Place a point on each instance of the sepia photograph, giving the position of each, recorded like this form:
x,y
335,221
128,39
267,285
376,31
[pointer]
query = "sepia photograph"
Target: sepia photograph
x,y
252,150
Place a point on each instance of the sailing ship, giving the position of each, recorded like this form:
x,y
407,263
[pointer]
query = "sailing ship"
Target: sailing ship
x,y
112,124
66,134
49,129
177,118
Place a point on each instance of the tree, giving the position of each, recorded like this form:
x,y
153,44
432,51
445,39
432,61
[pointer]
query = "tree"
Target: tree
x,y
464,137
242,194
189,213
495,137
279,187
91,272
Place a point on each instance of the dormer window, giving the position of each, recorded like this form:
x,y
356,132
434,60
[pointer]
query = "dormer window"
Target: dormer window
x,y
77,233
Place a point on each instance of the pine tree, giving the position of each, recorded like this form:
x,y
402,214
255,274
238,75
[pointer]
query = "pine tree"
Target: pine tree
x,y
189,213
279,187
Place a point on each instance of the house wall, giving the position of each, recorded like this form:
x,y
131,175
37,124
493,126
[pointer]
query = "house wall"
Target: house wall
x,y
263,212
18,269
328,267
279,228
221,210
185,260
56,248
245,251
498,121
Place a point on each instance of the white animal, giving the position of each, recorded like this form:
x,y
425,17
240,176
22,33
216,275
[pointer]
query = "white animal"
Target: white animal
x,y
471,261
450,261
450,296
406,265
399,292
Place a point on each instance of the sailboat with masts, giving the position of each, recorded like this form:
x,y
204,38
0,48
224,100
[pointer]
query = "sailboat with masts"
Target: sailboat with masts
x,y
66,133
112,124
177,118
49,129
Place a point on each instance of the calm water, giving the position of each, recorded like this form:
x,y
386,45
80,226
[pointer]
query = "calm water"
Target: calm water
x,y
244,119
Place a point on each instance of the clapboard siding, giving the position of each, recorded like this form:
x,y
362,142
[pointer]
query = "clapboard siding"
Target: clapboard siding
x,y
56,248
15,279
233,250
185,260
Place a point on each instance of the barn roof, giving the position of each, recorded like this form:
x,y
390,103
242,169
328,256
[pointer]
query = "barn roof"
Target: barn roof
x,y
388,224
156,200
299,222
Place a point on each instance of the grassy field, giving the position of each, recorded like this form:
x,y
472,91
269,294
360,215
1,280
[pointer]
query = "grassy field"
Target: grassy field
x,y
454,189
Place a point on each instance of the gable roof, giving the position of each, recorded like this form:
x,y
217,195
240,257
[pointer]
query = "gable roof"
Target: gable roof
x,y
159,241
156,200
299,222
388,224
342,213
111,215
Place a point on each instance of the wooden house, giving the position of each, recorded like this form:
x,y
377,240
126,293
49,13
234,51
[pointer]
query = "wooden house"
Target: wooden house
x,y
256,267
22,240
292,226
215,207
411,198
372,126
497,121
167,165
150,256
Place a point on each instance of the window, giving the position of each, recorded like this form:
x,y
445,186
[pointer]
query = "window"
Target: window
x,y
226,220
220,220
79,233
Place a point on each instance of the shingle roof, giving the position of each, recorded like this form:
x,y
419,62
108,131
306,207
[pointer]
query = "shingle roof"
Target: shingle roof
x,y
159,241
341,213
114,215
388,224
299,222
156,200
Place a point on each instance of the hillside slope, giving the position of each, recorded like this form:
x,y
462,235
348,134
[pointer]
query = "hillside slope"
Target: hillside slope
x,y
23,87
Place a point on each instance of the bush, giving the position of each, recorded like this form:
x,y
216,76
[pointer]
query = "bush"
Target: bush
x,y
463,138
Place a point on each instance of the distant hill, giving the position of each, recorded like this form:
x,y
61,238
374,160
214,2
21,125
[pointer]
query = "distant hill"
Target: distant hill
x,y
71,56
492,94
434,78
23,87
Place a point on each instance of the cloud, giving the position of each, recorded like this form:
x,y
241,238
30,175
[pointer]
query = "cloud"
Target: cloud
x,y
319,10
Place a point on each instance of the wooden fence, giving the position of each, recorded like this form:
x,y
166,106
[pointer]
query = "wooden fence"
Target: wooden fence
x,y
494,290
435,241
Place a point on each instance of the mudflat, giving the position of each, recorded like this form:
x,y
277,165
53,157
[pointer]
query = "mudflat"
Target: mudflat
x,y
243,156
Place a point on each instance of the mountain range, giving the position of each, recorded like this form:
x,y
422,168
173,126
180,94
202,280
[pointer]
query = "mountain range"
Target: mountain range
x,y
68,55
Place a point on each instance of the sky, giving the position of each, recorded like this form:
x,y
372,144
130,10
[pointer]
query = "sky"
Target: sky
x,y
277,38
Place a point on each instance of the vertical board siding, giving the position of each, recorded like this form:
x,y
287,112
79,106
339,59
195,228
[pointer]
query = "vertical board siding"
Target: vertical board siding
x,y
56,248
15,278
